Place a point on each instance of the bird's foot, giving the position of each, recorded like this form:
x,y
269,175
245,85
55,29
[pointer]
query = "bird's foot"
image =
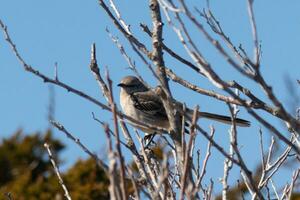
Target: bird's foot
x,y
148,139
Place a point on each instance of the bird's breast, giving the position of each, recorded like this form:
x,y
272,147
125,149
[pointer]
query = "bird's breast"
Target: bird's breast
x,y
127,105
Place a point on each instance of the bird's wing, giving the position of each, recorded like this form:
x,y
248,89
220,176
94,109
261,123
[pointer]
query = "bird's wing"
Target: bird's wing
x,y
149,103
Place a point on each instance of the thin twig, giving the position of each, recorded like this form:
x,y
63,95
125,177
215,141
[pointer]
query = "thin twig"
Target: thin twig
x,y
110,131
254,32
135,186
204,164
114,187
291,187
77,141
116,130
129,61
214,24
118,14
246,173
128,36
162,177
55,166
274,189
147,164
186,166
172,52
95,69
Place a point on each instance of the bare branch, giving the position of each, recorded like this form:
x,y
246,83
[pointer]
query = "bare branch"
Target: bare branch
x,y
200,176
214,24
246,173
157,57
115,191
291,187
77,141
61,182
128,36
129,61
186,176
199,90
95,69
116,130
254,32
274,189
135,187
122,22
172,53
147,164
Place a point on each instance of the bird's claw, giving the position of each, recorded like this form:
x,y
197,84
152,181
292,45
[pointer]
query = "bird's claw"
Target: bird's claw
x,y
148,139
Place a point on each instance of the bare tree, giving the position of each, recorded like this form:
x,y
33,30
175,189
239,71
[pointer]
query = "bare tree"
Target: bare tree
x,y
180,173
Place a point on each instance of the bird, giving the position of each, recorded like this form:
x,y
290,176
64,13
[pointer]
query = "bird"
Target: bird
x,y
144,105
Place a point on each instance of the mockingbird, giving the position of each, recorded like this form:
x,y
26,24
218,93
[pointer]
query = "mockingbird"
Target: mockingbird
x,y
143,104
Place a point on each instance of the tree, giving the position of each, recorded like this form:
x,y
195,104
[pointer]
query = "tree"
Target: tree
x,y
86,180
26,171
180,174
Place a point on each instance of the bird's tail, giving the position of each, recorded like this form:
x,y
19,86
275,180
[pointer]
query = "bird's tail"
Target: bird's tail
x,y
224,119
221,118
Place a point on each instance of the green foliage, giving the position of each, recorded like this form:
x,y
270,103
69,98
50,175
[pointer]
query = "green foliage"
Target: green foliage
x,y
26,171
25,167
85,180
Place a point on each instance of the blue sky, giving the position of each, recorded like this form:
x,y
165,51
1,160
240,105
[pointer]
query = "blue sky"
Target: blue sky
x,y
46,32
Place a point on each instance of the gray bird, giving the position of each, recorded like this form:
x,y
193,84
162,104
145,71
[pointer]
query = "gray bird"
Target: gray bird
x,y
143,104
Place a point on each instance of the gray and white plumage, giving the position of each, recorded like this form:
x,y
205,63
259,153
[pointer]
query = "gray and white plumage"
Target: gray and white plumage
x,y
142,104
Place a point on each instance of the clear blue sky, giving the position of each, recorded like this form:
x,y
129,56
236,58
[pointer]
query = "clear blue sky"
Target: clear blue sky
x,y
46,32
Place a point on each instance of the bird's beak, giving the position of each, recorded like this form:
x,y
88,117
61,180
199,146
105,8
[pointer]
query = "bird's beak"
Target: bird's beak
x,y
121,85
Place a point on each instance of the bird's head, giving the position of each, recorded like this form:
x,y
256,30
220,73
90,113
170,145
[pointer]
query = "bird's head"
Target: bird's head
x,y
132,84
